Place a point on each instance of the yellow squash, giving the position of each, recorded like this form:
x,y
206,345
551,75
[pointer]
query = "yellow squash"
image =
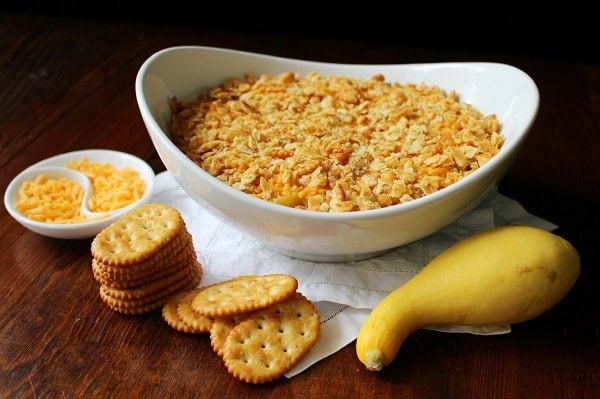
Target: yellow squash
x,y
504,275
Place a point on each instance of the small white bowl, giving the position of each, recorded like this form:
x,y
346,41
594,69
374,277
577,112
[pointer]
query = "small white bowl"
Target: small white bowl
x,y
54,167
185,71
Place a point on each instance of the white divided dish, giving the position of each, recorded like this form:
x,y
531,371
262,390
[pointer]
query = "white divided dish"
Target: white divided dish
x,y
54,167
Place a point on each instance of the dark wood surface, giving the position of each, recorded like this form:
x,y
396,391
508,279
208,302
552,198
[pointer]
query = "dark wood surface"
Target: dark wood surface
x,y
68,84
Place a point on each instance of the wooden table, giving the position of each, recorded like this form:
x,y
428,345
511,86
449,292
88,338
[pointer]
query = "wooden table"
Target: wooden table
x,y
68,84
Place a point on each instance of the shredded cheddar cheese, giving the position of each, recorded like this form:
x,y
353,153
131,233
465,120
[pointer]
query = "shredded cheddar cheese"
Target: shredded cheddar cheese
x,y
59,200
51,200
111,188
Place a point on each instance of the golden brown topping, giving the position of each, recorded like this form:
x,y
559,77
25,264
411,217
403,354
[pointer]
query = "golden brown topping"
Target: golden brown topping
x,y
333,143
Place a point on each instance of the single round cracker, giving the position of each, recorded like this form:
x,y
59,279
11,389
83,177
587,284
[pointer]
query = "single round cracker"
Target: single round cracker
x,y
170,316
271,341
137,235
198,323
135,310
244,293
220,329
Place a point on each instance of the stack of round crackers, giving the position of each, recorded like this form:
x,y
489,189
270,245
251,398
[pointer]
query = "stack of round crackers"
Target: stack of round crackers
x,y
260,325
143,258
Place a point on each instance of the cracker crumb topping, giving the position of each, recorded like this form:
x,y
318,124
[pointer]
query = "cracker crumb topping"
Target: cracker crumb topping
x,y
334,143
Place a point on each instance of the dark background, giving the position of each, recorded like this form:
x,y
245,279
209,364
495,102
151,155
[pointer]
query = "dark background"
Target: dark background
x,y
557,30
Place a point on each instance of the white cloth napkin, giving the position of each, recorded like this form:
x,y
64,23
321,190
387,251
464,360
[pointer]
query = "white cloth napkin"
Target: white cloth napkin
x,y
344,293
